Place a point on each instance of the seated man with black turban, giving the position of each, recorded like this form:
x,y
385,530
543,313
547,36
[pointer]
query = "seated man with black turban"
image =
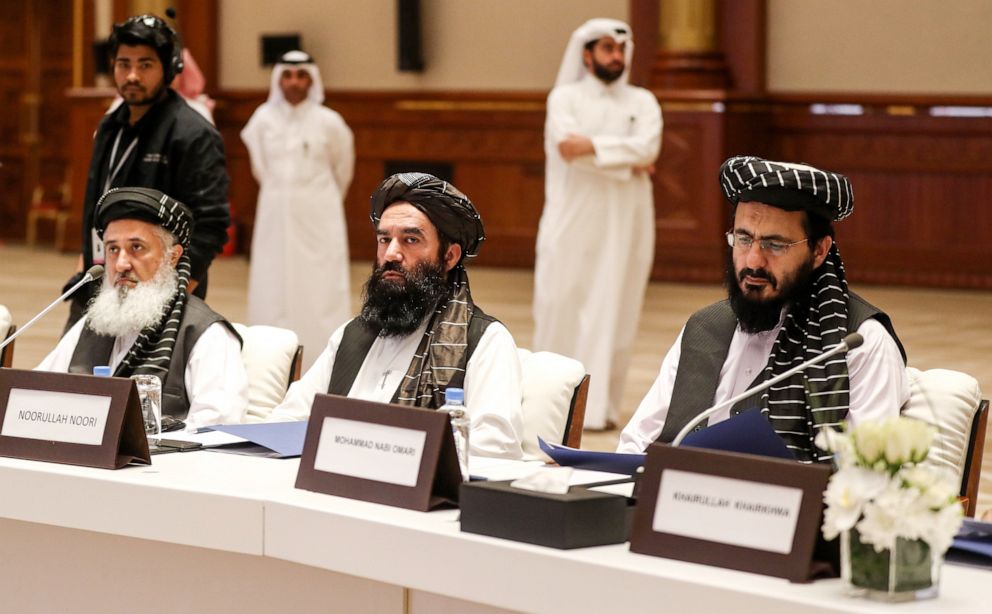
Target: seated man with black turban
x,y
144,322
419,331
788,302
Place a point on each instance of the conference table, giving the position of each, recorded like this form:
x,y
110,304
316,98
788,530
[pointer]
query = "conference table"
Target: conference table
x,y
212,532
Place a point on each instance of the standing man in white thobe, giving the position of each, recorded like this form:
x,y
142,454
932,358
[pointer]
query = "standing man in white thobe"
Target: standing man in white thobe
x,y
595,244
303,156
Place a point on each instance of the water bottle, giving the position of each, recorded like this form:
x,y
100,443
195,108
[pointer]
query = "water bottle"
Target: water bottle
x,y
150,393
454,404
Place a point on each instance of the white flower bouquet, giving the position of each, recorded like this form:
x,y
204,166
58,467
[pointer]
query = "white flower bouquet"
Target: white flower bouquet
x,y
897,516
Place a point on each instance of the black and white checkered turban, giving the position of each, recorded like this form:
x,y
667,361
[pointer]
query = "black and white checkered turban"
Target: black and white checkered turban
x,y
786,185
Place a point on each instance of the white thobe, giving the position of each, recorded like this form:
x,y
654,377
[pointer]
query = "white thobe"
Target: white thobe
x,y
595,243
879,386
492,385
215,378
303,157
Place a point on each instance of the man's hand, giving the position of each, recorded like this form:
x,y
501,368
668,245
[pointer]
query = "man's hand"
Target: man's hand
x,y
191,286
574,146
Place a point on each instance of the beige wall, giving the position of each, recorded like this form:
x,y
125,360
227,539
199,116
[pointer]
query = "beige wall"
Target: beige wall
x,y
467,44
898,46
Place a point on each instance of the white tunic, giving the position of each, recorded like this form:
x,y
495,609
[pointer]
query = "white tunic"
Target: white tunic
x,y
215,377
879,385
595,243
492,385
303,158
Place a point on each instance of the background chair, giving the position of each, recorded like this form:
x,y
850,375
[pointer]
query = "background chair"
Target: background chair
x,y
951,402
7,329
55,209
554,400
273,358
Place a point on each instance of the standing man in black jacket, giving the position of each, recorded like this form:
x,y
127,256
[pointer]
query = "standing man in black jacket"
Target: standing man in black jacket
x,y
155,140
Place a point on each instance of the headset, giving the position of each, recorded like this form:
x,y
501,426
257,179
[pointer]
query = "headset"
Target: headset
x,y
151,30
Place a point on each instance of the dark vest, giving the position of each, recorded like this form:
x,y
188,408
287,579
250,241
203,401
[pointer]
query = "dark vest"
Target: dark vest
x,y
358,339
93,350
705,343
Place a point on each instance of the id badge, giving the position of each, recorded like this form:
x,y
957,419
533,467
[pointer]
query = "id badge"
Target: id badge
x,y
98,255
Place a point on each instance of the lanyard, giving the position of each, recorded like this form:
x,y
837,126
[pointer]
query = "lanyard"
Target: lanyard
x,y
112,171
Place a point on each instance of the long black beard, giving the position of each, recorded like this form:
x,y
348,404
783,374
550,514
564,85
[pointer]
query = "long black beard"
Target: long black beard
x,y
399,309
758,316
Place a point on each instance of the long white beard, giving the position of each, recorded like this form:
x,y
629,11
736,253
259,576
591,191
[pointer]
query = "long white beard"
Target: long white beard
x,y
117,312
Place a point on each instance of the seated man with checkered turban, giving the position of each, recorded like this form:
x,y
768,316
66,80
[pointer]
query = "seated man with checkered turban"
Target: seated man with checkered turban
x,y
788,302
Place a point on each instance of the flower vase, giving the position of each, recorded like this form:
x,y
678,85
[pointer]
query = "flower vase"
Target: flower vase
x,y
907,572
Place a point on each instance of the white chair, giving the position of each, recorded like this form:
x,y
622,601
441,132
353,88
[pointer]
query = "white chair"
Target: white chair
x,y
273,357
951,402
554,400
7,329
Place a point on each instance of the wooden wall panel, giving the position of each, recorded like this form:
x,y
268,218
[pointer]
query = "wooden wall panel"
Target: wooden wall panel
x,y
35,69
921,188
921,182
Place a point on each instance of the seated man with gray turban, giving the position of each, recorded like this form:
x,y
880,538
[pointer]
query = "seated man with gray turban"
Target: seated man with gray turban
x,y
418,331
788,302
144,322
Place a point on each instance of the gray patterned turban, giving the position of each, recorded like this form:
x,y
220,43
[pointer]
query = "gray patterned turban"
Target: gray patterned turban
x,y
789,186
147,205
448,209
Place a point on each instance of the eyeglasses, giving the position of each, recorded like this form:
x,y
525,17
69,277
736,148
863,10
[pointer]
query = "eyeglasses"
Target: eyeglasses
x,y
769,246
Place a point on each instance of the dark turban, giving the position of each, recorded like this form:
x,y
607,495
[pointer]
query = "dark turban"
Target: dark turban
x,y
147,205
449,210
793,187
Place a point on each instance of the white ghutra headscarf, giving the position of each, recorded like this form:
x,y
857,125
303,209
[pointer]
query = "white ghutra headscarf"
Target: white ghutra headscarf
x,y
296,59
573,69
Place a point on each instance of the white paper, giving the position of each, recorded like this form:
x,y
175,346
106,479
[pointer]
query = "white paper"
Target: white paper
x,y
500,468
626,489
727,510
370,451
209,439
67,417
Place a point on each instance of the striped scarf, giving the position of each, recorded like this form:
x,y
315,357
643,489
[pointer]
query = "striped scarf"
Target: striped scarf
x,y
819,396
442,350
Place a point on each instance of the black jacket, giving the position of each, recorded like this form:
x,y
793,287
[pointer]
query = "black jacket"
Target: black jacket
x,y
178,152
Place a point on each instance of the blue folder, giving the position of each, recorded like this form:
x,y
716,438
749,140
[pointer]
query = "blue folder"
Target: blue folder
x,y
973,544
270,439
748,432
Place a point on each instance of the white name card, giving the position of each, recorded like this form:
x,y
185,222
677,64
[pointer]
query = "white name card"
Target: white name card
x,y
67,417
727,510
370,451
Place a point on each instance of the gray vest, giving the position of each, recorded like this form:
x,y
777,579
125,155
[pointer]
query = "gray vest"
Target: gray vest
x,y
93,350
705,343
358,339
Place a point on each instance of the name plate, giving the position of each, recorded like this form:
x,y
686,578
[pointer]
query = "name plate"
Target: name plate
x,y
390,454
57,416
732,510
727,510
370,451
73,419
